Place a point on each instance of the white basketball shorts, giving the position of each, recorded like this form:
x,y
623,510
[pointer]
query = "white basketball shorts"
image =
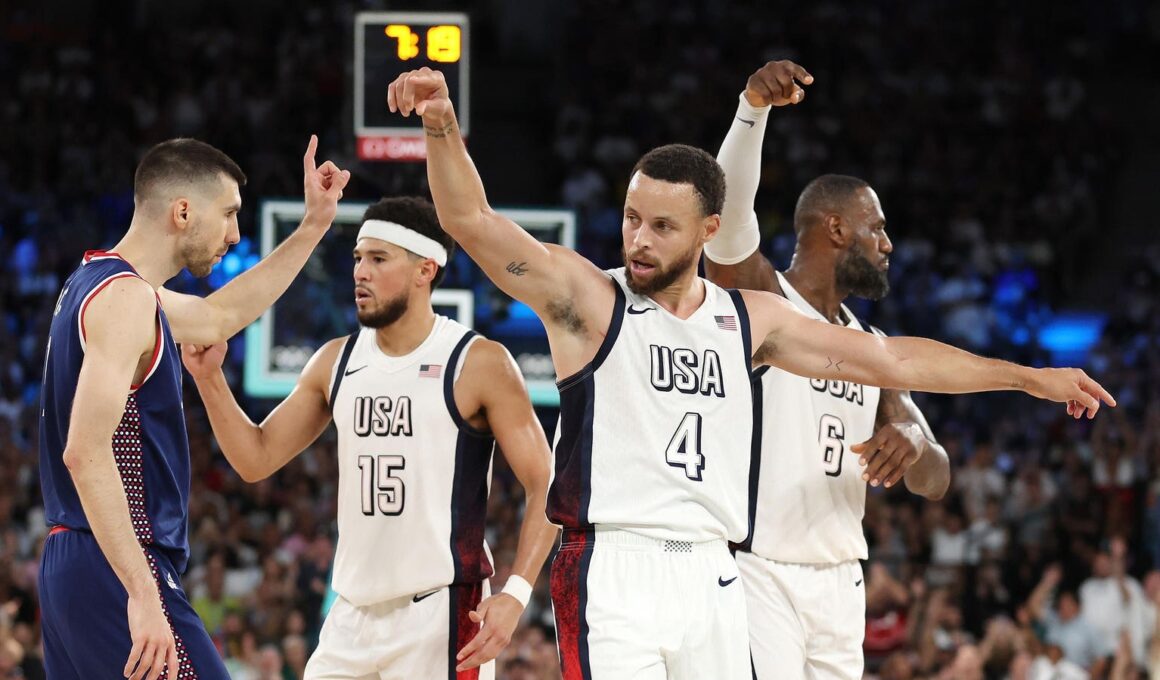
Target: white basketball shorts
x,y
410,637
805,620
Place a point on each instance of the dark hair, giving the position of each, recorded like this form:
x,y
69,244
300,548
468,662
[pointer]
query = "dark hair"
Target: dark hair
x,y
182,160
684,164
826,194
418,215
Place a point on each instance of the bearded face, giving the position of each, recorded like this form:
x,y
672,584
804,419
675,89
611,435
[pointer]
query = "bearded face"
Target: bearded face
x,y
385,314
199,252
857,274
661,276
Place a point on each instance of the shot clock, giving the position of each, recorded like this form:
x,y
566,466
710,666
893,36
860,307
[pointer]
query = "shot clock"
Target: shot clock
x,y
387,44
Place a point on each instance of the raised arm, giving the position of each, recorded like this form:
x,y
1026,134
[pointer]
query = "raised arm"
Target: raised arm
x,y
492,373
788,339
258,451
120,325
543,276
732,259
1038,602
217,317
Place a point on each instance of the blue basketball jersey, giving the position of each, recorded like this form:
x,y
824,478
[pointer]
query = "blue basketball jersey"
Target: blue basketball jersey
x,y
150,444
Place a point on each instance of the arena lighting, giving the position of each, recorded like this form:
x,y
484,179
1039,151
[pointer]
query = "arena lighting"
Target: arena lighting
x,y
1069,336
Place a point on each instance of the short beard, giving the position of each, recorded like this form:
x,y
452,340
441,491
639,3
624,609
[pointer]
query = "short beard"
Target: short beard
x,y
859,277
662,278
389,314
193,257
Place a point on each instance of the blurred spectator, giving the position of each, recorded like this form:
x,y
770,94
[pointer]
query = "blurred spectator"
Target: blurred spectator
x,y
1114,603
1065,625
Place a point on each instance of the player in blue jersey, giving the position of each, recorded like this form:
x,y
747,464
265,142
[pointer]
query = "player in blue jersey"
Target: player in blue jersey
x,y
114,456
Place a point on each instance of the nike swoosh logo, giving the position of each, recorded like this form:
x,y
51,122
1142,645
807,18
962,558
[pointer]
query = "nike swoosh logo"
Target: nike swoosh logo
x,y
424,596
634,310
349,371
747,122
857,583
722,582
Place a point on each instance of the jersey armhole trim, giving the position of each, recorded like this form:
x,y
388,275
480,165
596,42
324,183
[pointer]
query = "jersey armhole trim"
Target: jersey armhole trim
x,y
159,334
347,348
89,298
605,349
743,325
158,350
449,386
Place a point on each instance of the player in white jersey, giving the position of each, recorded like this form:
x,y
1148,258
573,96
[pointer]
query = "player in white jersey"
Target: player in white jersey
x,y
419,402
652,463
800,566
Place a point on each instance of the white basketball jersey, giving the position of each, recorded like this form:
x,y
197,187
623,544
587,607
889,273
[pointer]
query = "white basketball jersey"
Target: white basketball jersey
x,y
413,474
810,493
655,433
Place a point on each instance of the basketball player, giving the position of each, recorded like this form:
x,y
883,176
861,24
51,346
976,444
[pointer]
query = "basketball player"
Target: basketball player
x,y
800,567
114,456
653,462
419,402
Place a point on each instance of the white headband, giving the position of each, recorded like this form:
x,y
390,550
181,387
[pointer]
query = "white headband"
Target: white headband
x,y
405,238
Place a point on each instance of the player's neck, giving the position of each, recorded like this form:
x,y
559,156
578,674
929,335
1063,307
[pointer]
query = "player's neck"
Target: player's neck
x,y
408,332
816,284
150,257
683,297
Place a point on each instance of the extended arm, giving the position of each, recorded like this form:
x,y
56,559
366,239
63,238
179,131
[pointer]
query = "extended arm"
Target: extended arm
x,y
519,435
796,343
120,325
217,317
257,451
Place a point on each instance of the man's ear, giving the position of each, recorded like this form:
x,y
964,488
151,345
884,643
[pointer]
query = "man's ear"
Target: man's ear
x,y
426,273
837,230
709,228
181,213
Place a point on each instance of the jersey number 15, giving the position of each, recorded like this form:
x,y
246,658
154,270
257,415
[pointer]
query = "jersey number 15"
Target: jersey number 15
x,y
381,489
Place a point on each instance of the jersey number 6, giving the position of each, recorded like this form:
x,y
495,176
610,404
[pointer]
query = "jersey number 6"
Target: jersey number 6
x,y
832,438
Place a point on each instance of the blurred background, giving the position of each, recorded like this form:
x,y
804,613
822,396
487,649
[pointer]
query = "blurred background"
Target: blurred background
x,y
1017,155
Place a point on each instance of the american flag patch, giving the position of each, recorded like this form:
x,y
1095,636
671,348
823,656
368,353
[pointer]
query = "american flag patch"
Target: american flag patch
x,y
726,323
430,370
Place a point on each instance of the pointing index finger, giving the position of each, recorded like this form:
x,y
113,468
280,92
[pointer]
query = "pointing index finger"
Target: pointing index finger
x,y
308,159
1098,391
802,75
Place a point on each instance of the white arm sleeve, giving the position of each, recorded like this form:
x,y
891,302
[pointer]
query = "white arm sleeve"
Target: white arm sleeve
x,y
740,157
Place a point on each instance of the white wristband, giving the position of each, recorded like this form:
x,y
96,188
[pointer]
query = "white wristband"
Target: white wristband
x,y
518,588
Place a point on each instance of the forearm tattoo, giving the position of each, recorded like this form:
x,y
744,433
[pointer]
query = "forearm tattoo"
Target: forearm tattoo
x,y
517,268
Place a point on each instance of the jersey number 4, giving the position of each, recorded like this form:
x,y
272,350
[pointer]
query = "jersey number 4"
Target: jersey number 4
x,y
832,439
684,450
381,489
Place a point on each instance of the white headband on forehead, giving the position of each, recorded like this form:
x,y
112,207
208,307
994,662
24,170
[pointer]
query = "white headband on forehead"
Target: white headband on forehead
x,y
405,238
